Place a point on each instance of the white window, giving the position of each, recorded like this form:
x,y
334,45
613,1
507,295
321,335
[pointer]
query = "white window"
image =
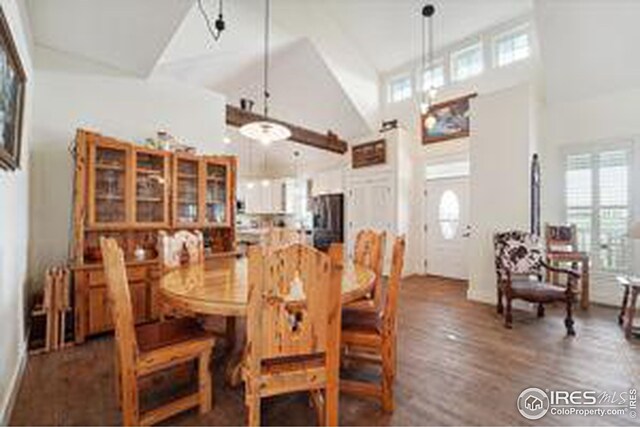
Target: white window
x,y
433,78
400,89
597,201
467,62
511,47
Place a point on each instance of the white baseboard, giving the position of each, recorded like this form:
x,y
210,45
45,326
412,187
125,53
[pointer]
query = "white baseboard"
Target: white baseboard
x,y
485,297
10,399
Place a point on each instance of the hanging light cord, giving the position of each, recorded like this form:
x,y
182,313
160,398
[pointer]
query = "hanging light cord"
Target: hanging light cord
x,y
430,22
427,20
215,28
424,63
267,22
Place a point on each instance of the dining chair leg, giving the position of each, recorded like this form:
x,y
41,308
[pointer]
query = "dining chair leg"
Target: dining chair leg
x,y
253,410
204,379
331,405
118,383
388,375
318,402
130,409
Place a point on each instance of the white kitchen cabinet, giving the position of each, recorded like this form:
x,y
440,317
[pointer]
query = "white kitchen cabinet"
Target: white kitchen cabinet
x,y
275,198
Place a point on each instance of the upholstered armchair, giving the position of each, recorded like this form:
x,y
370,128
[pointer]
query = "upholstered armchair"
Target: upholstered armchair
x,y
519,267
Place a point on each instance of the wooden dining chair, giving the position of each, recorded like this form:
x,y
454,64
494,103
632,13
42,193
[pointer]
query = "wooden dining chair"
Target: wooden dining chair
x,y
174,250
146,349
293,328
369,252
280,236
370,338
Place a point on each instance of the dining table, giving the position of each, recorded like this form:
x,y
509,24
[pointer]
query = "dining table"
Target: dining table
x,y
220,289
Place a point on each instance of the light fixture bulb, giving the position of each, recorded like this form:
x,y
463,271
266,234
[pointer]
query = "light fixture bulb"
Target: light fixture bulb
x,y
265,132
226,140
433,92
430,121
250,185
265,183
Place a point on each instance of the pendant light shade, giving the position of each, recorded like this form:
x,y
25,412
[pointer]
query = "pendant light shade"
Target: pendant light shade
x,y
265,130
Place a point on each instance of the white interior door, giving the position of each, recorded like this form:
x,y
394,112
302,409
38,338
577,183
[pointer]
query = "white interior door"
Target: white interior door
x,y
446,220
370,205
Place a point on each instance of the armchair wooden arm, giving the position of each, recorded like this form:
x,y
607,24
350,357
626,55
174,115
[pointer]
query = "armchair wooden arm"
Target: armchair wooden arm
x,y
571,273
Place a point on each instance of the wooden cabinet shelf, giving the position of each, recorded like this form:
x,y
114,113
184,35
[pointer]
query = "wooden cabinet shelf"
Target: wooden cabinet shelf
x,y
130,193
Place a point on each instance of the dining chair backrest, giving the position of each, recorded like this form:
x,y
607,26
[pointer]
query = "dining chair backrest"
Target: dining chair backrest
x,y
389,313
182,244
280,236
562,238
336,254
120,303
369,252
292,295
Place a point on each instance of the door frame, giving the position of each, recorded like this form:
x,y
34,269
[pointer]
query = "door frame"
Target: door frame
x,y
423,216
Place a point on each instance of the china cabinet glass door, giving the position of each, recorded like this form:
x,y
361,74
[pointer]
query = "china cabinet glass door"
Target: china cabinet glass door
x,y
187,177
109,186
151,195
216,193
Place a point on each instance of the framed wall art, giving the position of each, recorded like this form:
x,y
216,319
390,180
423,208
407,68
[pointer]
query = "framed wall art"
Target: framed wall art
x,y
451,120
12,87
369,154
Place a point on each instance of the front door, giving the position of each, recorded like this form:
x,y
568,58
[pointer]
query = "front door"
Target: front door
x,y
446,227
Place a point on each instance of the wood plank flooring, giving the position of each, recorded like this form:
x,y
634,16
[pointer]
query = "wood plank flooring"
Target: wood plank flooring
x,y
457,365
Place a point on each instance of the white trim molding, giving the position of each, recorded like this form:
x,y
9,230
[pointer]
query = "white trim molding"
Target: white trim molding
x,y
14,386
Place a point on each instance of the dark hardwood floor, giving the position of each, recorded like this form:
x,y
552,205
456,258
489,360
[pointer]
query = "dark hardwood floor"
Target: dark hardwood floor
x,y
457,365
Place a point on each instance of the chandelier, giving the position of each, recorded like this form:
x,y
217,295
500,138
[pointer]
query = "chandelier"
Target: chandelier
x,y
428,93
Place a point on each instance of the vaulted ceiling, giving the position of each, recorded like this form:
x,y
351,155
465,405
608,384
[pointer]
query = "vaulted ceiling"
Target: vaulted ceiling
x,y
588,48
328,55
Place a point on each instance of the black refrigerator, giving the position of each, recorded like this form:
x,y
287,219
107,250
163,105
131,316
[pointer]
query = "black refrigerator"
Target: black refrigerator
x,y
328,220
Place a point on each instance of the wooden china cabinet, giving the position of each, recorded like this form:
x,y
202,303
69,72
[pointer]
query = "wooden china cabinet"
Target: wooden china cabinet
x,y
130,193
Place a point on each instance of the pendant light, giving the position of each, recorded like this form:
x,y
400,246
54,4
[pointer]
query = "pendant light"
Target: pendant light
x,y
428,93
265,130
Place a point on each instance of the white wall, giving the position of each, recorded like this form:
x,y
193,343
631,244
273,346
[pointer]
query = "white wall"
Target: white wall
x,y
14,231
499,179
128,108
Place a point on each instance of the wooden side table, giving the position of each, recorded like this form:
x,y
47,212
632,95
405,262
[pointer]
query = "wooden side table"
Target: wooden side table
x,y
560,257
631,286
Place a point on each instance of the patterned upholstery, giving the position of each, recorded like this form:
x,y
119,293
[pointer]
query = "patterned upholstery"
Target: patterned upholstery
x,y
517,252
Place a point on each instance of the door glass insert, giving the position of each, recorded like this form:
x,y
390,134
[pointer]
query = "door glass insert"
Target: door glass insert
x,y
449,214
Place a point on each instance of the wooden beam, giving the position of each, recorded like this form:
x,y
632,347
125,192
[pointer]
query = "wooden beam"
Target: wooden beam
x,y
330,142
